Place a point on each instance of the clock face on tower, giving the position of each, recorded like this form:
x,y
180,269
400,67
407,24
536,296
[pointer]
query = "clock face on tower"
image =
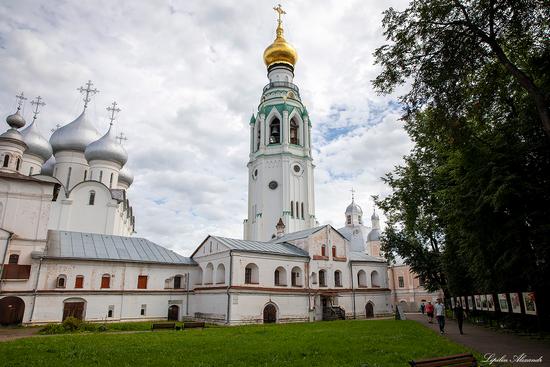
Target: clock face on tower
x,y
273,185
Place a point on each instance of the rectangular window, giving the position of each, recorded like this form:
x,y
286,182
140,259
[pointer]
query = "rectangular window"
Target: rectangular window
x,y
105,281
337,280
333,251
111,311
323,250
69,177
277,278
79,282
421,282
85,174
401,282
302,210
294,278
14,259
248,275
142,282
143,310
322,279
292,209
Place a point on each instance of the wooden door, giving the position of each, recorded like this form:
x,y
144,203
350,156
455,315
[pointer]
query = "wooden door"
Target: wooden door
x,y
73,309
173,313
270,314
369,311
11,310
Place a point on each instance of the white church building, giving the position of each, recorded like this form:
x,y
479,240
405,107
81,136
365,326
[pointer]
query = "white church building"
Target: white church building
x,y
66,230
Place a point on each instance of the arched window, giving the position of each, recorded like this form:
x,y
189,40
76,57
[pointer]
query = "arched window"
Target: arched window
x,y
333,251
375,279
209,274
6,160
14,259
362,278
296,277
348,219
337,278
292,209
323,250
61,281
18,164
106,281
294,132
275,131
259,135
177,281
280,276
79,281
69,177
199,276
302,210
251,275
322,278
313,278
91,199
220,274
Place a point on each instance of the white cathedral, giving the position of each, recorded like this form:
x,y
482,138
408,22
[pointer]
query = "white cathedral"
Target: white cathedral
x,y
66,226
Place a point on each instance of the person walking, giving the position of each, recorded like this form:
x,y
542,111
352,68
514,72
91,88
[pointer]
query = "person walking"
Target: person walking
x,y
459,314
440,315
422,307
430,312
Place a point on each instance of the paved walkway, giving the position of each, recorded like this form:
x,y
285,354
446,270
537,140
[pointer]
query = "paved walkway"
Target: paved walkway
x,y
17,333
489,342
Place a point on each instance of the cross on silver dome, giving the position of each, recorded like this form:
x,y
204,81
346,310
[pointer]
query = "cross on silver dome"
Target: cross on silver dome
x,y
16,121
113,109
121,137
21,97
37,102
87,91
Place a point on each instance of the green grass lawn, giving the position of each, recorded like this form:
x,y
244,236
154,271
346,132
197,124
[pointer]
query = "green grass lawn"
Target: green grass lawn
x,y
337,343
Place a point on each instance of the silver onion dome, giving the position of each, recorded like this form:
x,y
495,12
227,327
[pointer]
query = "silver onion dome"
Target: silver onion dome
x,y
48,166
107,149
354,209
76,135
36,143
16,121
14,135
125,175
374,235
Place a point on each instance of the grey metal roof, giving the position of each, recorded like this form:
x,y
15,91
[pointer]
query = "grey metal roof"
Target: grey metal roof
x,y
282,248
297,235
361,256
92,246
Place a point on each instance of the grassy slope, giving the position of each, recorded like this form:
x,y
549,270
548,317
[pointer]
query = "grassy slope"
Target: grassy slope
x,y
338,343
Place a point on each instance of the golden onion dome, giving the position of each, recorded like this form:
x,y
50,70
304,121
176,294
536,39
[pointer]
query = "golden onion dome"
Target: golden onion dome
x,y
280,51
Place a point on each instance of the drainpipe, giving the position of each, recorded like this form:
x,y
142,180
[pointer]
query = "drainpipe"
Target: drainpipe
x,y
352,290
306,284
35,291
228,318
4,258
187,295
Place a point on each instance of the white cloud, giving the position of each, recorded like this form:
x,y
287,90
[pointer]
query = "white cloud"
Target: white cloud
x,y
188,75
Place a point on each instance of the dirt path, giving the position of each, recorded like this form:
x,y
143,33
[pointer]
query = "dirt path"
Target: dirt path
x,y
17,333
492,343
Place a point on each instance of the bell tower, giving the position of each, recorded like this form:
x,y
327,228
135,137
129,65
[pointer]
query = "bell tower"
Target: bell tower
x,y
280,169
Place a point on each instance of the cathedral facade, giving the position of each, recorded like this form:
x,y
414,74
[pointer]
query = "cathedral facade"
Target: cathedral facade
x,y
66,230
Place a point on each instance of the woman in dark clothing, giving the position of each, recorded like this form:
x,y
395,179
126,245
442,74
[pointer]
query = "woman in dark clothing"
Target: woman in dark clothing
x,y
459,314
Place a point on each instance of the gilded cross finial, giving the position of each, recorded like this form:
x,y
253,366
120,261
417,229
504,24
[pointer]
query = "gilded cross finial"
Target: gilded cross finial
x,y
37,103
121,137
20,98
88,92
113,109
280,11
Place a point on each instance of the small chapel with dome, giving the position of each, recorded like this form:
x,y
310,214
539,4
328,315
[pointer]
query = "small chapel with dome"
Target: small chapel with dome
x,y
68,245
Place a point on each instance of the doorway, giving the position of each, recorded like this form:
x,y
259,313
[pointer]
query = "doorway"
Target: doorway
x,y
270,314
11,310
74,309
173,313
369,310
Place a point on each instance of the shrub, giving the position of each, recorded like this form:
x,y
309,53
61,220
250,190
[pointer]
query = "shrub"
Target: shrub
x,y
87,326
53,329
71,323
102,328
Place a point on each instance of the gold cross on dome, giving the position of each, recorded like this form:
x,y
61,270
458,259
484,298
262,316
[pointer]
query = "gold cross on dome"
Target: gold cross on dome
x,y
113,109
280,11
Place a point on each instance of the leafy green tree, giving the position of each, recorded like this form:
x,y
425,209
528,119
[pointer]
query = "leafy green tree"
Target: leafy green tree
x,y
470,205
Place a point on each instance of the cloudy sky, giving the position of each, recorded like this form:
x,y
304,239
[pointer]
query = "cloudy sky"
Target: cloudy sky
x,y
188,75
